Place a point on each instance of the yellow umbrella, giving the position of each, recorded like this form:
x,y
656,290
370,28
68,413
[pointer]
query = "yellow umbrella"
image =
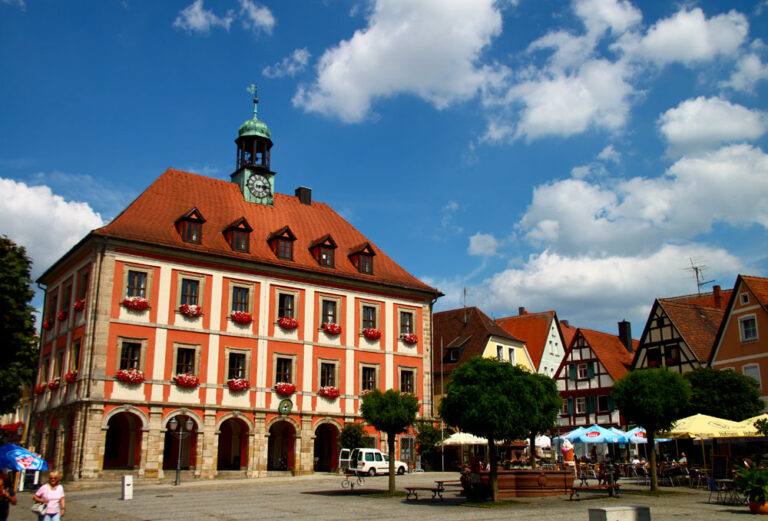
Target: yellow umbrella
x,y
750,422
703,426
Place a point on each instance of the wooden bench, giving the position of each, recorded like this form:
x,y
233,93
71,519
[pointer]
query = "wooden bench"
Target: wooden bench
x,y
613,490
448,483
437,492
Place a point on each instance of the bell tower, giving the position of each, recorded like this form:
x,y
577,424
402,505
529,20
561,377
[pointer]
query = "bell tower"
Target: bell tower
x,y
253,176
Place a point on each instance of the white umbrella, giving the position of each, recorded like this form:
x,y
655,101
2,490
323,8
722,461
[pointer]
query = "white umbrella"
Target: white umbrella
x,y
464,438
542,442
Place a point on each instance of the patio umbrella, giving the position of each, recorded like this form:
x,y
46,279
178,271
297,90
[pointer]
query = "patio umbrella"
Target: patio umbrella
x,y
750,422
703,426
16,458
542,442
464,438
569,435
598,434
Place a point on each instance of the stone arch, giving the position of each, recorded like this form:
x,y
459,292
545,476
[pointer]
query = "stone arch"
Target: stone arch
x,y
181,452
325,445
182,412
237,416
283,441
332,421
232,433
278,419
123,440
125,408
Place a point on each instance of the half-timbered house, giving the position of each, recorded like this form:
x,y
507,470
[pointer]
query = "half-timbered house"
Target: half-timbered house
x,y
542,336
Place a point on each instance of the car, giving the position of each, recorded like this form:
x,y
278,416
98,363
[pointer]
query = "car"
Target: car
x,y
372,462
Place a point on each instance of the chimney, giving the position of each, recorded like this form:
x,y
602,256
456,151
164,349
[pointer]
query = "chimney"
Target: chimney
x,y
718,296
521,311
625,334
564,323
304,195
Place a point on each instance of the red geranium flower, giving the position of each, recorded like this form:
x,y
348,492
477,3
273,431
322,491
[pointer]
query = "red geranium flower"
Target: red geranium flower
x,y
186,380
329,392
191,310
410,339
130,376
371,333
287,323
285,389
136,303
241,317
79,304
331,328
237,385
70,377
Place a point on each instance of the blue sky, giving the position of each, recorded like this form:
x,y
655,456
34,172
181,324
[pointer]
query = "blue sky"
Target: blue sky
x,y
573,156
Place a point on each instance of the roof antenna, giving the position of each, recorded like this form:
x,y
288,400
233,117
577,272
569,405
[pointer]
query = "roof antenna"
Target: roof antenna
x,y
464,305
698,272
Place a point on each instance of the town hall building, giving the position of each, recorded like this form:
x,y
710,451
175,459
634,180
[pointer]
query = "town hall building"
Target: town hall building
x,y
224,329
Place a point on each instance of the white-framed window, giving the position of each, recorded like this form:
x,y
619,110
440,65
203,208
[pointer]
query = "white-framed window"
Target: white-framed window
x,y
407,378
329,310
190,289
369,377
131,353
500,353
187,359
583,370
241,297
581,405
748,328
137,281
328,372
237,363
407,322
284,368
287,303
512,359
74,355
753,371
369,315
744,298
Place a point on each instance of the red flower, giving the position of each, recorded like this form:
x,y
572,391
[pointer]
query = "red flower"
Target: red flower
x,y
371,333
54,384
130,376
47,324
285,389
330,328
136,303
237,385
191,310
329,392
39,389
79,304
287,323
61,315
186,380
410,339
70,377
241,317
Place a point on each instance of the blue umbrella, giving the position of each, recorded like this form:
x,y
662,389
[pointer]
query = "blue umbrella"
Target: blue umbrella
x,y
598,434
16,458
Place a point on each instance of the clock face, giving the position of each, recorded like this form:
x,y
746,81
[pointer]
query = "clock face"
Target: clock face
x,y
259,186
285,406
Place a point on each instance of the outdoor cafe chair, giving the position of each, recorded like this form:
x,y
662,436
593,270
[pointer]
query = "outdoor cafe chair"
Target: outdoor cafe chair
x,y
714,487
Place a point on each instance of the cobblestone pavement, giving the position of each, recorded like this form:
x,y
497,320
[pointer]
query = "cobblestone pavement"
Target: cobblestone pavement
x,y
320,497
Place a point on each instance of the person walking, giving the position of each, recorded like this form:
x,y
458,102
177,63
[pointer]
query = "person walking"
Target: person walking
x,y
52,494
7,495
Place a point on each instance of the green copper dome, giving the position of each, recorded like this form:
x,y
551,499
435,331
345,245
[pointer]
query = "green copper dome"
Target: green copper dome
x,y
254,127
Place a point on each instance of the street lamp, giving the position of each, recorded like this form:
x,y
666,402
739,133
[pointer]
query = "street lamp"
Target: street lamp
x,y
177,429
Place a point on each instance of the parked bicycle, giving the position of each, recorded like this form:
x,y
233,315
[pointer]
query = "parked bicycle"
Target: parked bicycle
x,y
351,479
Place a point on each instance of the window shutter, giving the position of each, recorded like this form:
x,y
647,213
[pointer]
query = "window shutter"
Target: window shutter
x,y
571,371
590,404
591,369
570,405
610,404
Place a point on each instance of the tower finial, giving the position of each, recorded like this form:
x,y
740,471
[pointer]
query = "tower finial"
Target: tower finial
x,y
254,90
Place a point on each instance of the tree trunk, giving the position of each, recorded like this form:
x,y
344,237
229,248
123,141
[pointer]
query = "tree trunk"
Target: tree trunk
x,y
532,441
391,446
494,476
652,459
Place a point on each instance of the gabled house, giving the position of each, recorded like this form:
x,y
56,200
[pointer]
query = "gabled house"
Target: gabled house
x,y
542,336
680,331
592,363
460,334
741,343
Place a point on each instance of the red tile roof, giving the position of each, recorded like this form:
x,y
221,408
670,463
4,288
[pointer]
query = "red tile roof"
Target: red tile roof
x,y
150,219
759,287
610,351
568,333
468,330
717,298
533,329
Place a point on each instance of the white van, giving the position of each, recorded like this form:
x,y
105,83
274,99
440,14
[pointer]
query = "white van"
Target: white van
x,y
372,462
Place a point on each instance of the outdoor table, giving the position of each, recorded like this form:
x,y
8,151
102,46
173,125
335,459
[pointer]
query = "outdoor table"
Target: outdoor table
x,y
730,495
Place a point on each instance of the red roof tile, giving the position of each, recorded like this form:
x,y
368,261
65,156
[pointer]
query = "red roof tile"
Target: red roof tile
x,y
533,329
698,325
150,219
610,351
759,287
568,333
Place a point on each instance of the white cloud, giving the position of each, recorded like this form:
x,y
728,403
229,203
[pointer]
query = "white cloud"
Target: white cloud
x,y
610,154
44,223
703,122
20,3
630,217
256,17
750,69
428,48
601,15
483,244
448,224
688,37
196,19
290,66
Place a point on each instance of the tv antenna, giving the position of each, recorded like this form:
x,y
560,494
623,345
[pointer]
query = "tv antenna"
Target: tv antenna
x,y
698,271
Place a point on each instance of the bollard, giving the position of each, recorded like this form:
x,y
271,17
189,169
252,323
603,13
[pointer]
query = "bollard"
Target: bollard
x,y
127,488
620,513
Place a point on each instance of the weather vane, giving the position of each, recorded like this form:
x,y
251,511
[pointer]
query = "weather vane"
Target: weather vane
x,y
254,91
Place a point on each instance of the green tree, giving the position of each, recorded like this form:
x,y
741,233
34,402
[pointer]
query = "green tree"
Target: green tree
x,y
653,399
390,412
352,436
17,324
547,406
492,400
427,439
724,394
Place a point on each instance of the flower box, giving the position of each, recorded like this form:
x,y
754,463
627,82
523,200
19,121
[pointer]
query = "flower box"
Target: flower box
x,y
371,333
54,384
191,310
136,303
79,304
285,389
241,317
130,376
61,315
410,339
70,377
47,324
40,389
330,328
288,323
329,392
186,380
238,385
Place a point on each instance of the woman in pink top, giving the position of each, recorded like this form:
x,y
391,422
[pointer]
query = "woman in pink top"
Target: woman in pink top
x,y
52,494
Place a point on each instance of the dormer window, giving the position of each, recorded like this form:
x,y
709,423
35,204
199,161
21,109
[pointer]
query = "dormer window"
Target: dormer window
x,y
281,243
452,355
362,258
238,235
190,226
323,250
